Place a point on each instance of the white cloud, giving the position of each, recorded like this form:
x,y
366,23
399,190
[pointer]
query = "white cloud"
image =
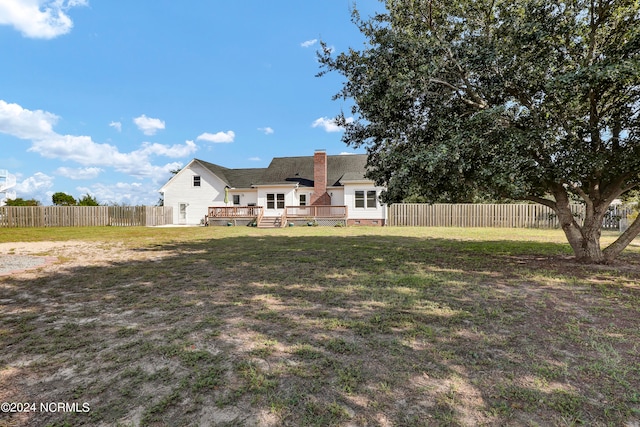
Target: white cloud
x,y
148,125
41,19
132,193
80,149
175,151
37,126
218,138
309,43
36,187
116,125
81,173
25,124
329,125
344,153
267,130
255,159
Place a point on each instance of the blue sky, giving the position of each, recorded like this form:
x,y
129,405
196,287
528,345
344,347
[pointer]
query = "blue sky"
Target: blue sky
x,y
105,97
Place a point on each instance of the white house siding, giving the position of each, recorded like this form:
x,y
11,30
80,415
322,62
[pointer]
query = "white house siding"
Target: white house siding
x,y
290,197
302,190
337,195
197,199
247,197
377,213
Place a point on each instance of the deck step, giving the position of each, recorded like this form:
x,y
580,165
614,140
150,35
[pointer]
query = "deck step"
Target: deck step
x,y
270,222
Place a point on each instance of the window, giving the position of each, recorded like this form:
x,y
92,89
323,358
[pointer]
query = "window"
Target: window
x,y
236,199
371,199
369,202
275,201
196,181
303,200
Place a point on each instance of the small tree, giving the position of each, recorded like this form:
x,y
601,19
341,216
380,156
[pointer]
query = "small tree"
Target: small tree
x,y
63,199
88,200
533,100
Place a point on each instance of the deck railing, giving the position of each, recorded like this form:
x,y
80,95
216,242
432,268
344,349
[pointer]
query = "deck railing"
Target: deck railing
x,y
320,211
235,211
290,212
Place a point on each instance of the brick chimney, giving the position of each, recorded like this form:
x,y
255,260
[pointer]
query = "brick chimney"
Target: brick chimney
x,y
320,195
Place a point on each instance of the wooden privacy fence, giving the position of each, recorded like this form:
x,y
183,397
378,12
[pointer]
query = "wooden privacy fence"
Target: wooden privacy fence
x,y
488,215
84,216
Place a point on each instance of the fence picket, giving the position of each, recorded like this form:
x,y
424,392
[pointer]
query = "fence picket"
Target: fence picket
x,y
522,215
84,216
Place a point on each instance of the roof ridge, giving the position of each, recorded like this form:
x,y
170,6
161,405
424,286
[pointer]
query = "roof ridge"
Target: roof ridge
x,y
328,155
210,163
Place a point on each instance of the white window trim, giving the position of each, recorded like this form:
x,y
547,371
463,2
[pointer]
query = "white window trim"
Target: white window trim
x,y
365,200
278,198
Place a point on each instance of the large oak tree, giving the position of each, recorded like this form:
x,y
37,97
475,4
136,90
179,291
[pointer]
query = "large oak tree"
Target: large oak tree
x,y
533,100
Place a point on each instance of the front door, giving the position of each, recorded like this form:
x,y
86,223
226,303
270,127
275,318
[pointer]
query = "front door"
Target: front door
x,y
275,204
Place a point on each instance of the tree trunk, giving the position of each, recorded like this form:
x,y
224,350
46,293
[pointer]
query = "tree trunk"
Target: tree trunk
x,y
590,251
584,239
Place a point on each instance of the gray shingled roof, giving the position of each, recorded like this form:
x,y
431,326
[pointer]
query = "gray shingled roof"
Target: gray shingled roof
x,y
283,170
235,178
300,169
244,178
217,170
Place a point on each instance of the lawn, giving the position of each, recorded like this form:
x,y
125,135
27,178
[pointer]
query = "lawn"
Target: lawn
x,y
312,326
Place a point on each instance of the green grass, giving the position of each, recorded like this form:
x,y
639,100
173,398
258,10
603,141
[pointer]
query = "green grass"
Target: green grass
x,y
318,326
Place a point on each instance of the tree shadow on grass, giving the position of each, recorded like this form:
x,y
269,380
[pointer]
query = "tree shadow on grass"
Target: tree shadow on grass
x,y
368,330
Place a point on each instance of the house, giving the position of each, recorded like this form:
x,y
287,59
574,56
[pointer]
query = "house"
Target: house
x,y
318,189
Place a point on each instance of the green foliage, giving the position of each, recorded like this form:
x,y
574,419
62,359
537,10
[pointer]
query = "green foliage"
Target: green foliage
x,y
63,199
531,100
88,200
19,201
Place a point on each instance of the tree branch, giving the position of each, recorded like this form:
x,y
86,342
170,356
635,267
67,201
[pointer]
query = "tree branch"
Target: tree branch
x,y
580,192
542,201
479,101
482,105
629,187
614,249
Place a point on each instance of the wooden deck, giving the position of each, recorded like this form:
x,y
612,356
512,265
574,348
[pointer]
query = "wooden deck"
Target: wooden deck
x,y
256,214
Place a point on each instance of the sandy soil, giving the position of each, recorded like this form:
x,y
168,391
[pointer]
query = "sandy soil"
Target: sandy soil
x,y
63,255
